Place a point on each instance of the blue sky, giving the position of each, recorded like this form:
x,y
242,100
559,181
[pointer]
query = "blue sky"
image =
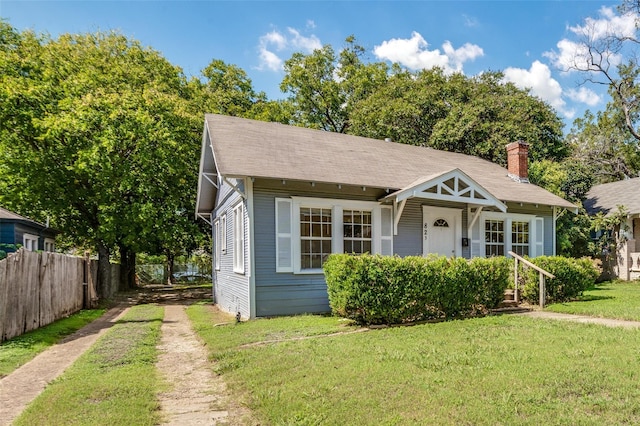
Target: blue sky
x,y
530,40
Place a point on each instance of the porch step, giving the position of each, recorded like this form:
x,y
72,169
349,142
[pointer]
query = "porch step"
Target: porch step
x,y
509,299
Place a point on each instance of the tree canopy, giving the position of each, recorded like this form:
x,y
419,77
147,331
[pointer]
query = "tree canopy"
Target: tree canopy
x,y
98,133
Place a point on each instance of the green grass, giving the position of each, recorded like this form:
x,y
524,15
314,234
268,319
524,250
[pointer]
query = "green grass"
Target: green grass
x,y
17,351
617,299
483,371
114,383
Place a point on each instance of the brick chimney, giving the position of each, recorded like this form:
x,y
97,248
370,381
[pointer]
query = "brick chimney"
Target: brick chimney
x,y
518,161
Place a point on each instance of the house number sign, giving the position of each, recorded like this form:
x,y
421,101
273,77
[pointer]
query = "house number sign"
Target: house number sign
x,y
425,232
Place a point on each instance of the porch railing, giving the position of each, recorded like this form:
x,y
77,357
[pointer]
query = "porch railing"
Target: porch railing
x,y
542,275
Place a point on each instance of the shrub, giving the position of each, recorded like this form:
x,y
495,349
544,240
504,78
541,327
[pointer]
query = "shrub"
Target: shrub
x,y
379,289
572,277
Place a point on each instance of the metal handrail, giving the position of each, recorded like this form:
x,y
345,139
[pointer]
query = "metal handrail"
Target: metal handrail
x,y
541,276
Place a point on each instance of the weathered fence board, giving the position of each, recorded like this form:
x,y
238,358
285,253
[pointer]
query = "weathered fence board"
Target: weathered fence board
x,y
39,288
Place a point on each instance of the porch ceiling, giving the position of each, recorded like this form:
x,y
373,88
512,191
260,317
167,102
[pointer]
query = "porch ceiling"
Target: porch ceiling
x,y
452,185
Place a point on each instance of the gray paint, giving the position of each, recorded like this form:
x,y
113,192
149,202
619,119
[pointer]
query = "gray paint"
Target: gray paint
x,y
288,293
231,289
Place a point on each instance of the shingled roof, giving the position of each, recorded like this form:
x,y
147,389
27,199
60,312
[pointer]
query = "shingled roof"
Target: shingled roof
x,y
249,148
605,198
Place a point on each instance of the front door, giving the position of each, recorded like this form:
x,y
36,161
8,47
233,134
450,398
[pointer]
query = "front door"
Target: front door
x,y
441,231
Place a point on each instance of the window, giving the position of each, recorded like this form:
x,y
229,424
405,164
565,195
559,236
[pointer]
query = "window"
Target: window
x,y
441,223
315,237
238,239
357,231
49,245
30,242
520,238
494,237
218,244
223,234
308,230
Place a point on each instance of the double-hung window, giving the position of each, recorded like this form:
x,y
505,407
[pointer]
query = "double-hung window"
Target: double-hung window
x,y
238,239
494,237
357,231
315,237
520,238
522,234
30,242
308,230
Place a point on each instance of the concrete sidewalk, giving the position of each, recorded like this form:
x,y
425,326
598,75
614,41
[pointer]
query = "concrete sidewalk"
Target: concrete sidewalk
x,y
22,386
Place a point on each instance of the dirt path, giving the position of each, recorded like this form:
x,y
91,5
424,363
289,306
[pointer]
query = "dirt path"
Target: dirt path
x,y
196,396
582,318
19,388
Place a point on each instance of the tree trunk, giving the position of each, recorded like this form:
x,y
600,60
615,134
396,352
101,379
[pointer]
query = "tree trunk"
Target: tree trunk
x,y
104,272
127,269
170,278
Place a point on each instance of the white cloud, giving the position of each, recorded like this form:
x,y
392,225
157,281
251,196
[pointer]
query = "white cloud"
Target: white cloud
x,y
308,44
585,96
538,79
271,44
413,53
609,24
573,55
470,21
311,24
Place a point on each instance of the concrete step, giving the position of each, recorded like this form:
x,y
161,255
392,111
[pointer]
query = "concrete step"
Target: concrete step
x,y
508,304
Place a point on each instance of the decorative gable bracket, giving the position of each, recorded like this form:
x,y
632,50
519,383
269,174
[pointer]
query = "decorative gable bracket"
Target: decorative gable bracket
x,y
452,186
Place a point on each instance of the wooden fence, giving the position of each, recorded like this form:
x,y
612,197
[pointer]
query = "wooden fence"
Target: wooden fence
x,y
38,288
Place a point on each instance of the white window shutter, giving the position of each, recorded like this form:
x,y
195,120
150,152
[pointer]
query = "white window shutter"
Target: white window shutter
x,y
476,240
284,251
539,237
386,230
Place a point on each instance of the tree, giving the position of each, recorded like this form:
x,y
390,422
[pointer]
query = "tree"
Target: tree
x,y
324,87
609,56
100,134
476,116
602,145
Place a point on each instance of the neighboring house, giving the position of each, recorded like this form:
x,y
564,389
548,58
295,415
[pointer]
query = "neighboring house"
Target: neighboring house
x,y
606,198
18,230
281,198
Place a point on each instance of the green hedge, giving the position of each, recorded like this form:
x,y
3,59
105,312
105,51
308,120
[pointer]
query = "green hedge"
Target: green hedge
x,y
391,290
573,276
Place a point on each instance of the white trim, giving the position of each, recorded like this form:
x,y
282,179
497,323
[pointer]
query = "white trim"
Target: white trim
x,y
217,245
30,242
223,233
430,213
238,238
284,232
49,245
337,206
473,193
251,257
508,219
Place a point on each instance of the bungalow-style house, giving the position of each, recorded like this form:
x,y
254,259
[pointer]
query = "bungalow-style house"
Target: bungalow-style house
x,y
606,198
281,198
19,230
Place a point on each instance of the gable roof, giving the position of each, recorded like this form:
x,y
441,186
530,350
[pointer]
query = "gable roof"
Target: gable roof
x,y
249,148
606,197
7,215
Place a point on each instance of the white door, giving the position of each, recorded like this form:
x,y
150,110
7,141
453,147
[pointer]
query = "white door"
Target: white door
x,y
441,231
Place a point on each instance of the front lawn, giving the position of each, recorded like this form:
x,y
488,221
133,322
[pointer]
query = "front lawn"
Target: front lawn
x,y
617,299
492,370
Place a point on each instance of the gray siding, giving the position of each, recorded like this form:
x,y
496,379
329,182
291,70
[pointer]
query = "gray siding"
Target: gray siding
x,y
231,289
280,293
408,242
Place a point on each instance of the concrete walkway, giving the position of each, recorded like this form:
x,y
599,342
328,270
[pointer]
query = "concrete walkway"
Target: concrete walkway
x,y
21,387
581,318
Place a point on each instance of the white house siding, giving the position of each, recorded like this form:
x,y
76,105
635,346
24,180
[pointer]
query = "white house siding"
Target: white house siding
x,y
231,289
